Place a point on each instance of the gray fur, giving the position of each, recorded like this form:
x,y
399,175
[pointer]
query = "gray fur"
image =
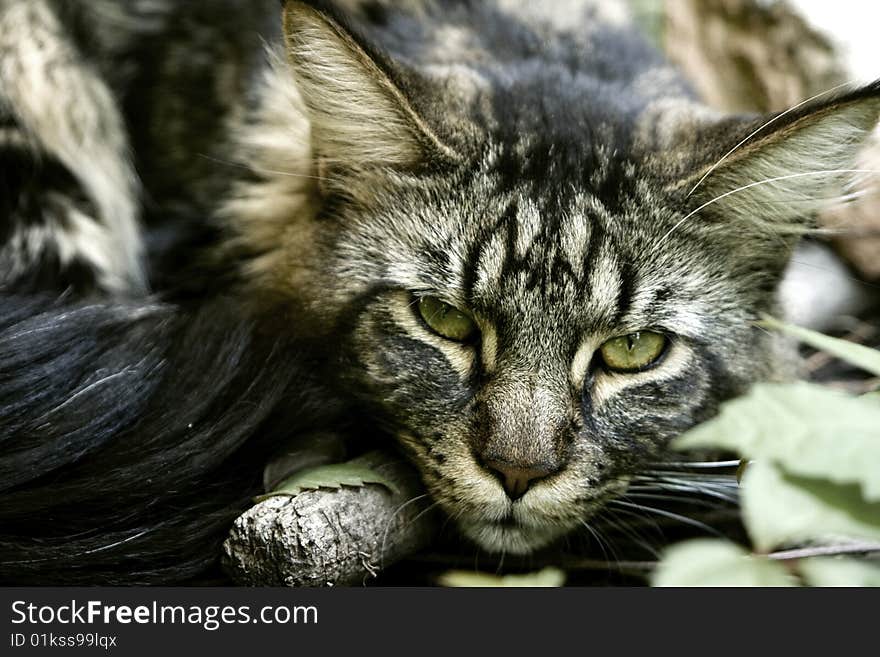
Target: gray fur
x,y
531,164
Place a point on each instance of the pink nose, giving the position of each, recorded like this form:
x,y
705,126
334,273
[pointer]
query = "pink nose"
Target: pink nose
x,y
516,479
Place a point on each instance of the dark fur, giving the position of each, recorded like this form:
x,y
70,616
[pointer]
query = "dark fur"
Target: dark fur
x,y
134,425
133,433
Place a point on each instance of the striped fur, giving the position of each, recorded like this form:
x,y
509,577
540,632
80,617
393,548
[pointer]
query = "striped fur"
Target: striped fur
x,y
557,226
536,165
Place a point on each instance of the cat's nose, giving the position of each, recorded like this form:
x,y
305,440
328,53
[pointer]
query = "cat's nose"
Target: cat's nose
x,y
517,478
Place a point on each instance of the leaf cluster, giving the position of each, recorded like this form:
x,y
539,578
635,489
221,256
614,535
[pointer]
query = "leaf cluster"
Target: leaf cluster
x,y
810,490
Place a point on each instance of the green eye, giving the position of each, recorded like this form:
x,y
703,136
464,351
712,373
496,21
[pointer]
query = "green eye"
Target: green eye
x,y
446,320
634,352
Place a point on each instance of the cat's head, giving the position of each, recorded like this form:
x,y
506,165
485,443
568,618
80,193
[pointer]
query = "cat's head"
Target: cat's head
x,y
537,298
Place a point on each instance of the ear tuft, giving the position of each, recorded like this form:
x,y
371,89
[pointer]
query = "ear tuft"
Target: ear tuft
x,y
360,118
785,168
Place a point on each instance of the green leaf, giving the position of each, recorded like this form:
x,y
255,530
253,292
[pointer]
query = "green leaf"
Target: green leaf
x,y
781,509
710,562
548,577
859,355
838,571
808,429
331,476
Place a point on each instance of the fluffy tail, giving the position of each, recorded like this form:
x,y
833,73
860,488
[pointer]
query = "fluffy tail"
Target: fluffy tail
x,y
132,433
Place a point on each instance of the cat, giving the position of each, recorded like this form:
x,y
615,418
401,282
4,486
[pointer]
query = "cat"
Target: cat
x,y
504,234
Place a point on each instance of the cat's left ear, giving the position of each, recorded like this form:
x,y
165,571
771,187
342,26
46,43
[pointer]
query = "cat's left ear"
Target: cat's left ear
x,y
775,172
360,115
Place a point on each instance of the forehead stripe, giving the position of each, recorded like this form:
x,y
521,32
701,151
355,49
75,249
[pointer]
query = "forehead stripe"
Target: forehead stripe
x,y
595,241
476,261
626,291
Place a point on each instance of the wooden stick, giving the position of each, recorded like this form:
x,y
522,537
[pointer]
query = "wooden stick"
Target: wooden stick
x,y
332,537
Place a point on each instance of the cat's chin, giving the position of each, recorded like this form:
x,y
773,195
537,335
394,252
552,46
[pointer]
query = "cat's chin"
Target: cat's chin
x,y
511,538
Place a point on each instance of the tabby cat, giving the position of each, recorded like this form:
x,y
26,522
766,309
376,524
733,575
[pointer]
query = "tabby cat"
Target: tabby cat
x,y
503,233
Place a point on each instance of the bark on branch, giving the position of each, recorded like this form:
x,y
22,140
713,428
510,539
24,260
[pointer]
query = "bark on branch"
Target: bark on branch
x,y
332,537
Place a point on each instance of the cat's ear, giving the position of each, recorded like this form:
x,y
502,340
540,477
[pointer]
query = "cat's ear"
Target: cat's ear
x,y
777,171
357,106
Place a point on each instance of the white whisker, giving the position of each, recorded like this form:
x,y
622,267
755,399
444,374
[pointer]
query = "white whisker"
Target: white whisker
x,y
639,494
701,464
668,514
274,172
759,129
603,543
730,498
630,531
596,536
756,184
388,525
688,477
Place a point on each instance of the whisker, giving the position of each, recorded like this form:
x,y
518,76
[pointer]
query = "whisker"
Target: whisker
x,y
596,536
759,129
388,525
729,489
602,542
117,543
421,513
756,184
631,531
251,167
719,494
669,514
500,567
721,486
700,464
696,478
675,499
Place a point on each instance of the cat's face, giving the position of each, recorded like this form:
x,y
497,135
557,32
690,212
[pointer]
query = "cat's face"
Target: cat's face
x,y
536,311
513,387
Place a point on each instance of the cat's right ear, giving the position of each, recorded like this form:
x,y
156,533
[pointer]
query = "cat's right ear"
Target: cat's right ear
x,y
780,170
356,100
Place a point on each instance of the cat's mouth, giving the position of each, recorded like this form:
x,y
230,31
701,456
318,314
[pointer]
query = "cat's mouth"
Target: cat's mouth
x,y
518,531
508,521
529,525
512,536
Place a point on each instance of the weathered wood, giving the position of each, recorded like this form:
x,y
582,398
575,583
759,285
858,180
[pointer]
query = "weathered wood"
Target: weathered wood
x,y
332,537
